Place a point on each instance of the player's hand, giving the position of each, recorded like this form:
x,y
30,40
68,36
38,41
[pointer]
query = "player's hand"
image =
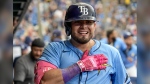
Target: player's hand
x,y
130,59
90,63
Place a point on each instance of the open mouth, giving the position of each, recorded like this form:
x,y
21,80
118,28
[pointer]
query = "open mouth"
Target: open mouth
x,y
83,32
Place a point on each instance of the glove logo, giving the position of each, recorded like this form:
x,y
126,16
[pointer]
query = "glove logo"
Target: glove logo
x,y
83,10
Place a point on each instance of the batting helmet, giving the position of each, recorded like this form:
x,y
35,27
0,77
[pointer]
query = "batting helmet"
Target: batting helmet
x,y
127,34
78,11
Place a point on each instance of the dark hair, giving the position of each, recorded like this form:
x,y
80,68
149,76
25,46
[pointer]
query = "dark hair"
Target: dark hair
x,y
109,32
37,43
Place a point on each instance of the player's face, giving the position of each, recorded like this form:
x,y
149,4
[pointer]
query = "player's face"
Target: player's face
x,y
37,52
82,31
129,40
114,34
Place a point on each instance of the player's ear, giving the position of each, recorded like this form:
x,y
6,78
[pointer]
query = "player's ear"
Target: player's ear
x,y
94,24
94,27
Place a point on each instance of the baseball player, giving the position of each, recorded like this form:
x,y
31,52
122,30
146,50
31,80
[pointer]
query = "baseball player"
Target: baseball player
x,y
114,41
80,60
130,55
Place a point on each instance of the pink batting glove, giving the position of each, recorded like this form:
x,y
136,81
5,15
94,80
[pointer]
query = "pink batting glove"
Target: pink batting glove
x,y
94,62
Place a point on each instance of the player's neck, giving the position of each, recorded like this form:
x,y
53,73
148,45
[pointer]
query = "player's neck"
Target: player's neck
x,y
128,46
83,47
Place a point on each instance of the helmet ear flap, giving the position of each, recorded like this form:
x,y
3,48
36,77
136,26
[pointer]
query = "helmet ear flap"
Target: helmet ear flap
x,y
68,28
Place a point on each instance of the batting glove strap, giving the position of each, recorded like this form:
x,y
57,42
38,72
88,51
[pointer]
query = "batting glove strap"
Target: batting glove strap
x,y
81,65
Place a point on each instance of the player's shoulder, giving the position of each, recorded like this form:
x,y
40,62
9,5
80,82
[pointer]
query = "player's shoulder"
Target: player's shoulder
x,y
58,45
103,39
110,51
23,59
108,47
134,46
119,39
105,46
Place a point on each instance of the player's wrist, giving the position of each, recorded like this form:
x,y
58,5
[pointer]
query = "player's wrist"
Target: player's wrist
x,y
70,72
81,65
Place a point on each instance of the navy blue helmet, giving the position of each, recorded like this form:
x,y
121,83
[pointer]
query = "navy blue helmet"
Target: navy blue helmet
x,y
127,34
78,11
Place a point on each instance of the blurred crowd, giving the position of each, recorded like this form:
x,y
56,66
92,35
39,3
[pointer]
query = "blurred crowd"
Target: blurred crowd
x,y
44,19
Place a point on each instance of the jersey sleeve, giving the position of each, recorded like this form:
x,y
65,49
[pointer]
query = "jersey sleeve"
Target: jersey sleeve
x,y
120,76
39,70
123,45
51,54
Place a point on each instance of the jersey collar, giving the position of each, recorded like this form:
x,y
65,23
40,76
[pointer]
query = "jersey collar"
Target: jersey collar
x,y
79,52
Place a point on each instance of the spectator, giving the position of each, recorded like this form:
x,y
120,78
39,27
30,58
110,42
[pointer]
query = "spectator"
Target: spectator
x,y
24,51
47,36
56,36
24,68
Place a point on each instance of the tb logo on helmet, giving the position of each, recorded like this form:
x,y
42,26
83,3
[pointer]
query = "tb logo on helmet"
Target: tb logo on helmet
x,y
83,10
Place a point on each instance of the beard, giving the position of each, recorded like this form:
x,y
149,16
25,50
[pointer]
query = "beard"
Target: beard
x,y
114,39
129,44
83,39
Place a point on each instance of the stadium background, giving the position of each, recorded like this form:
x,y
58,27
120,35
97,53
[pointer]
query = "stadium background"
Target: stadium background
x,y
44,19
